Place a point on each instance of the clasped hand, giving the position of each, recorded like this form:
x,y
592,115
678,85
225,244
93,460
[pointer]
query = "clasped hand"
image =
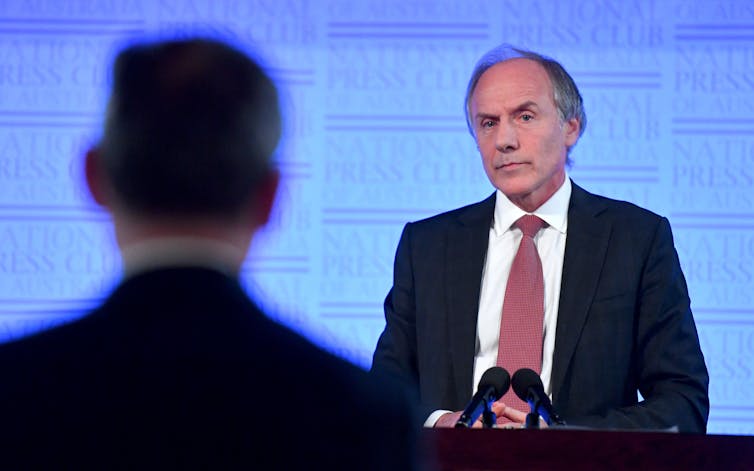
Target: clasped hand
x,y
507,417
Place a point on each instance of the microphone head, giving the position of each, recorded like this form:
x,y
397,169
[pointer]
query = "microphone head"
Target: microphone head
x,y
496,378
523,380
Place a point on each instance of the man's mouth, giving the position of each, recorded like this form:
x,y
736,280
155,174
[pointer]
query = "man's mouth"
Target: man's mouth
x,y
509,165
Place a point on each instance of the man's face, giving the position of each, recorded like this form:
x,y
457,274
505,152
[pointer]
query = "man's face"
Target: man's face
x,y
522,140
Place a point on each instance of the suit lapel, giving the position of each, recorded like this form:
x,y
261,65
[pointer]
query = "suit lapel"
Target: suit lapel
x,y
467,244
586,247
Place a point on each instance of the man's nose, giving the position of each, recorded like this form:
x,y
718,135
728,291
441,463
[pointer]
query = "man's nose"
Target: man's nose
x,y
506,138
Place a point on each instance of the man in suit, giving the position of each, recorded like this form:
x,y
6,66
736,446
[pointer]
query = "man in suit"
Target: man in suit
x,y
178,368
615,316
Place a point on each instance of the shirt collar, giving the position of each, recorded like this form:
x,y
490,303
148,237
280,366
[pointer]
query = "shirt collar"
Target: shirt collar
x,y
554,211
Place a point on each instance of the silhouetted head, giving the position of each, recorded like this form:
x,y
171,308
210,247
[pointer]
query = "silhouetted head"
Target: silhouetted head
x,y
190,130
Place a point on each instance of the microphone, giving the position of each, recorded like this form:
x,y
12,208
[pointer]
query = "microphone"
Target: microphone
x,y
493,384
528,387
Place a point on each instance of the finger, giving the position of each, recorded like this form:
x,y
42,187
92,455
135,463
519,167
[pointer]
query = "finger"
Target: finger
x,y
498,408
514,415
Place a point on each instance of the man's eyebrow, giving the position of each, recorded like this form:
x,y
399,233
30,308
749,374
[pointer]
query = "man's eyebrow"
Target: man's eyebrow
x,y
527,105
485,115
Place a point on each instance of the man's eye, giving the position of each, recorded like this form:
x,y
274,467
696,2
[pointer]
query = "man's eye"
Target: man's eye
x,y
526,117
487,123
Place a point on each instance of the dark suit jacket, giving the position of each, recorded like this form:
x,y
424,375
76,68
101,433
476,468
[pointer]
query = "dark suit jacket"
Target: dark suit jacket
x,y
624,321
179,369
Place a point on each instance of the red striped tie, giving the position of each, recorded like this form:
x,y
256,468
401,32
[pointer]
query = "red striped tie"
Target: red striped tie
x,y
520,344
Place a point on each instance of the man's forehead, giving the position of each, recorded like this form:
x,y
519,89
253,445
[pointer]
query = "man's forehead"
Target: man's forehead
x,y
519,68
518,80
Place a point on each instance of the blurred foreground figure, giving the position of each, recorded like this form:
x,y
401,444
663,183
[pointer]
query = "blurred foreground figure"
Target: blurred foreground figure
x,y
178,368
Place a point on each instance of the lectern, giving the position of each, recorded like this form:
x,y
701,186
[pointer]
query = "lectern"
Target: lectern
x,y
553,449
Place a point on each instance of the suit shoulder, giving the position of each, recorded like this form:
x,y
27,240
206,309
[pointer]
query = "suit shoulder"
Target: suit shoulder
x,y
333,382
622,211
293,351
479,210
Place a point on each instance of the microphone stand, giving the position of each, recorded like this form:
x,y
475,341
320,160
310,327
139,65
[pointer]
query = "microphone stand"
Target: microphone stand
x,y
488,417
532,418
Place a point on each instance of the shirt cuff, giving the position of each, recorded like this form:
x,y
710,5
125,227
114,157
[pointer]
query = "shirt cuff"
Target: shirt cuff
x,y
434,417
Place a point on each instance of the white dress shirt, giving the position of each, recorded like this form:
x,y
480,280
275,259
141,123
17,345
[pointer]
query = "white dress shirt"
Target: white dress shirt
x,y
501,249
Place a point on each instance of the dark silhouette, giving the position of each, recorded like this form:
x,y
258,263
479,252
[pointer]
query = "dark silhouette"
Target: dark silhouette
x,y
179,368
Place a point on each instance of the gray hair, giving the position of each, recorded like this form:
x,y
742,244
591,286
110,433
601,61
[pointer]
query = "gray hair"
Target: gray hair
x,y
565,92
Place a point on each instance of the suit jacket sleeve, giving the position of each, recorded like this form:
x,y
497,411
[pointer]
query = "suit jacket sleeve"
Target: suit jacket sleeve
x,y
396,351
666,366
431,310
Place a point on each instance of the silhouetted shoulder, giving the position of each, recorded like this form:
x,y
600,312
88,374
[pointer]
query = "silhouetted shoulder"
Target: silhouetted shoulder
x,y
180,366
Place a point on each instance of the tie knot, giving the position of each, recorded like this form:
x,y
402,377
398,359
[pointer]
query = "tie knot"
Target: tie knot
x,y
529,224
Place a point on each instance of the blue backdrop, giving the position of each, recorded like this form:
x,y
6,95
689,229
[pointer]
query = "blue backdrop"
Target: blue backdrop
x,y
375,137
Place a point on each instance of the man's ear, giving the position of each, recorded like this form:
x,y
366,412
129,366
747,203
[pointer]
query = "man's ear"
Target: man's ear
x,y
572,128
265,197
95,176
